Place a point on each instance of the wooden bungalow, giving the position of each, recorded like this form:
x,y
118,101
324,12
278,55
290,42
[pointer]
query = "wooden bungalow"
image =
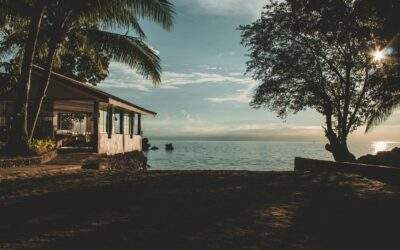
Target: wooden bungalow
x,y
106,124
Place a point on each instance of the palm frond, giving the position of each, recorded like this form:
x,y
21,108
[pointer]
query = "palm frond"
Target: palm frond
x,y
125,12
130,50
382,113
159,11
16,38
125,20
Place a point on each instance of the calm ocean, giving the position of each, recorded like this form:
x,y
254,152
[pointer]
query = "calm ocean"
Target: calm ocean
x,y
245,155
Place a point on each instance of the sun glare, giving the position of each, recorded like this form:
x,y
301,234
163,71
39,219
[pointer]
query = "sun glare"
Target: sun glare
x,y
379,146
378,55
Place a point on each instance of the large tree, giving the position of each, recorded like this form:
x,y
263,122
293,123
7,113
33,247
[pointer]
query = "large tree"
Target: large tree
x,y
12,11
310,54
89,21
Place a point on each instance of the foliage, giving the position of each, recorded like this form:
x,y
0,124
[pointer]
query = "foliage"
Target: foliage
x,y
82,30
8,75
51,25
42,146
317,55
388,98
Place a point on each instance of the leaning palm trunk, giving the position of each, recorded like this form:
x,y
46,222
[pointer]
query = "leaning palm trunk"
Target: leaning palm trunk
x,y
53,46
37,106
18,143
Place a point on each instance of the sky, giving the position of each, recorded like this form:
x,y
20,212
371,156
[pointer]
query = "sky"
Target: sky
x,y
204,93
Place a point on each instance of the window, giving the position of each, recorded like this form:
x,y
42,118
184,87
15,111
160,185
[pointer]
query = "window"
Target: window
x,y
131,123
103,121
118,122
136,124
126,124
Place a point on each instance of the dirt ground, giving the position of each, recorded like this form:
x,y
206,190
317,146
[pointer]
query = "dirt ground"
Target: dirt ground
x,y
197,210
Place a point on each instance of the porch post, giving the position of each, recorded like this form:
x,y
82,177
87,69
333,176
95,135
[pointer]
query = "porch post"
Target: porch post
x,y
95,118
139,124
110,122
131,124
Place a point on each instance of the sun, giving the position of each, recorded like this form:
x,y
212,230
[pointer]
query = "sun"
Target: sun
x,y
378,55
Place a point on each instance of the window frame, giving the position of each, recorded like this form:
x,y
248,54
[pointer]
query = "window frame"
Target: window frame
x,y
118,125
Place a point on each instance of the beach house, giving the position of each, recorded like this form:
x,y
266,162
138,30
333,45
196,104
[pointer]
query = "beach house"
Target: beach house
x,y
76,114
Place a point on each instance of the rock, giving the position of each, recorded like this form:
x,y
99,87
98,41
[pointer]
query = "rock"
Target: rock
x,y
169,147
368,159
385,158
145,144
154,148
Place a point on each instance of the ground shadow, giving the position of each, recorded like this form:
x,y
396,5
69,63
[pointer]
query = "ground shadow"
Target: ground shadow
x,y
203,210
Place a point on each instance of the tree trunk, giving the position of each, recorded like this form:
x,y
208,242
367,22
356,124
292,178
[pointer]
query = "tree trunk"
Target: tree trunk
x,y
38,103
60,31
18,143
337,145
339,148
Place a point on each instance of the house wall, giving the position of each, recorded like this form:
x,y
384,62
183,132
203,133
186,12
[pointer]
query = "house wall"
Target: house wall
x,y
118,143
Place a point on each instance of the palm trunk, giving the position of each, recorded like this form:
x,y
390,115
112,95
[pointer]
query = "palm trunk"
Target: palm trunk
x,y
37,106
60,31
18,143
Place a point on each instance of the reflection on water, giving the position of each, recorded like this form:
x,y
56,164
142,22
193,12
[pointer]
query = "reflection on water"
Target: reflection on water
x,y
379,146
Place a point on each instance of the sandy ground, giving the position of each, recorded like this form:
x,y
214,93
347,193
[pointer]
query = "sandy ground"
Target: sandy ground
x,y
196,210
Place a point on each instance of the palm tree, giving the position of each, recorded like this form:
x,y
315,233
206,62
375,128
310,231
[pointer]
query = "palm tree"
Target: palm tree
x,y
9,11
66,18
384,110
389,95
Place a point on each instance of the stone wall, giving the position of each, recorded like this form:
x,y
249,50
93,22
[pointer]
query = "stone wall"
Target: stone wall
x,y
370,171
27,161
119,143
134,161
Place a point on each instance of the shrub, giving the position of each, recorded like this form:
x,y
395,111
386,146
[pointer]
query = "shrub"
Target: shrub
x,y
42,146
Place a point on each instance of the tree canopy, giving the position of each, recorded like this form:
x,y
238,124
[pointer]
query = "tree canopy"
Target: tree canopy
x,y
44,27
75,58
310,54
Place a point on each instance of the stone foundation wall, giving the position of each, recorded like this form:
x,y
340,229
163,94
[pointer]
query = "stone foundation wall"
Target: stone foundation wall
x,y
135,161
27,161
371,171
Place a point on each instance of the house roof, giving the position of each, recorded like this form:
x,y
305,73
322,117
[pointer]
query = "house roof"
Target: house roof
x,y
91,90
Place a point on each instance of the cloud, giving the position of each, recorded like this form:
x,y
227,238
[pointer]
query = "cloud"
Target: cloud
x,y
190,118
242,95
121,76
250,8
192,126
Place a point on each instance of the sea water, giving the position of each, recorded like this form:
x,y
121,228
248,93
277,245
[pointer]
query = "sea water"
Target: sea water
x,y
246,155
